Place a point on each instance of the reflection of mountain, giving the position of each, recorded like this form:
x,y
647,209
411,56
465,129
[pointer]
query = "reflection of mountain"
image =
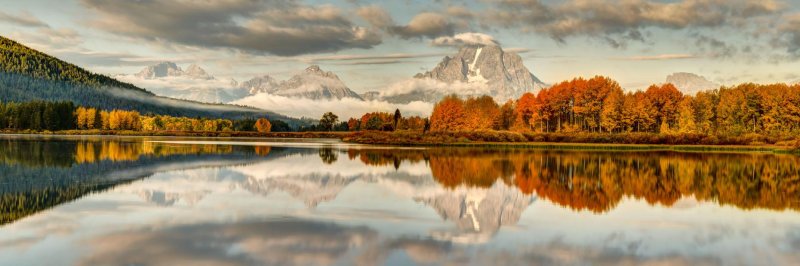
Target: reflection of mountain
x,y
477,212
311,189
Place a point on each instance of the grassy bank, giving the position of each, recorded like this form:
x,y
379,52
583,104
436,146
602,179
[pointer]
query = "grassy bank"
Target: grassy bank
x,y
247,134
580,141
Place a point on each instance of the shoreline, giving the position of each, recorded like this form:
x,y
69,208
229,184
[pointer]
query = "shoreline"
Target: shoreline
x,y
348,137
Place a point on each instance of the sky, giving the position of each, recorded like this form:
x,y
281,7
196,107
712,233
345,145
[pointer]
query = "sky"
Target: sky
x,y
372,44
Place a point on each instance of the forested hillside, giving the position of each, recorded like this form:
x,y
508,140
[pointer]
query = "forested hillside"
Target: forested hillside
x,y
30,75
17,58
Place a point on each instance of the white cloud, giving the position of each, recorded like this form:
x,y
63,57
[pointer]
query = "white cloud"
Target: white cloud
x,y
465,39
344,108
430,85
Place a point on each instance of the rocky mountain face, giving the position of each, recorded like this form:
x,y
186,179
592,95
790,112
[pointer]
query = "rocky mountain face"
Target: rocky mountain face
x,y
371,95
170,69
313,83
194,83
501,75
691,84
260,84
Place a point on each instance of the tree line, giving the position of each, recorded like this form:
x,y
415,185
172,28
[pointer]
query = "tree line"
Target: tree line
x,y
600,105
64,115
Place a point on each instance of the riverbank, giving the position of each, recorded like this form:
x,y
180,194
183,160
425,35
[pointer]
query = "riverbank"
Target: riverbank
x,y
583,141
221,134
497,139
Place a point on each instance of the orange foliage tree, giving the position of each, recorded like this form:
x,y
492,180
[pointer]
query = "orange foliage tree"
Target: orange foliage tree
x,y
263,125
449,115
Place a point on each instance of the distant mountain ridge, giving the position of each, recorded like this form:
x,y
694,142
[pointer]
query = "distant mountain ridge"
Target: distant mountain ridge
x,y
313,83
194,83
170,69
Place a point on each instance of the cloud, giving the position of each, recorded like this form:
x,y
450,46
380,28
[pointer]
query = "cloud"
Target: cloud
x,y
415,85
344,108
617,22
278,27
290,242
426,24
790,33
375,16
659,57
466,39
23,19
49,39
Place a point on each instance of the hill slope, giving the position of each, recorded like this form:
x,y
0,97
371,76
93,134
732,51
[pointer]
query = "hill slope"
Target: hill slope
x,y
27,74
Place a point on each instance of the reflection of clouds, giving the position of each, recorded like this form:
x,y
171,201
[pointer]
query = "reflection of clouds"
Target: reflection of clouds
x,y
559,253
283,242
421,251
303,242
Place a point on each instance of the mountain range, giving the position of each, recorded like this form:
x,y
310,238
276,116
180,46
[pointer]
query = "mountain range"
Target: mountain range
x,y
170,69
312,83
194,84
486,70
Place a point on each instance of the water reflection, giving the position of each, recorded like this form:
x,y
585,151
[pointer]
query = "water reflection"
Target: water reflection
x,y
256,203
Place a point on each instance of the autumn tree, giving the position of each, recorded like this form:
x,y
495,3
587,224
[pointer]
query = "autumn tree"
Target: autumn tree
x,y
263,125
448,115
481,113
353,124
506,119
665,100
686,116
526,112
611,114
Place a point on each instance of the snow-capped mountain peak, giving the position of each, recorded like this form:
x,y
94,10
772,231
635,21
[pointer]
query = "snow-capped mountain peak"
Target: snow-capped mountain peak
x,y
501,75
313,83
160,70
690,83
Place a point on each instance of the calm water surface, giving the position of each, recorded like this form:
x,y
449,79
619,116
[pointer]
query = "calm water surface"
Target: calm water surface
x,y
172,201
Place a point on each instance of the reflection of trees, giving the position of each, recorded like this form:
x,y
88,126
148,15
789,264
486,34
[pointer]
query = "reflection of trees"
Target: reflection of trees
x,y
328,155
40,174
262,150
597,181
40,152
